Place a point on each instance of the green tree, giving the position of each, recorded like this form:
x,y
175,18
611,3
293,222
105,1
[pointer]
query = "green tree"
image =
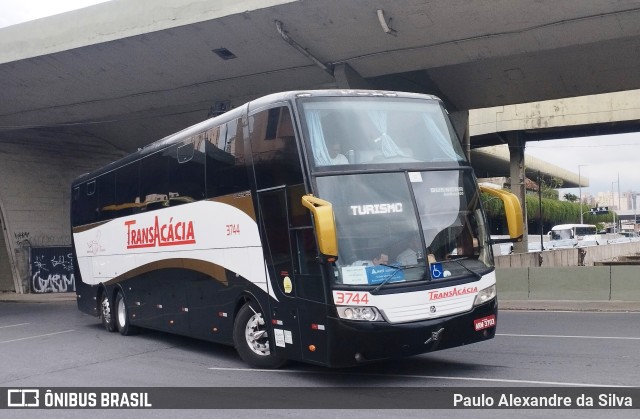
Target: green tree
x,y
553,212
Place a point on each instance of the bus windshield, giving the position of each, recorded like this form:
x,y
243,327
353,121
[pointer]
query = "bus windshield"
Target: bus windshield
x,y
371,130
382,233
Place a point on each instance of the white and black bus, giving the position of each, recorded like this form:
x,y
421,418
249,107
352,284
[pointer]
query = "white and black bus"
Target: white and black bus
x,y
330,227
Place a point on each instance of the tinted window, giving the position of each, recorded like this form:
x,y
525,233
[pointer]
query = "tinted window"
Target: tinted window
x,y
106,196
226,165
274,149
84,203
127,189
173,176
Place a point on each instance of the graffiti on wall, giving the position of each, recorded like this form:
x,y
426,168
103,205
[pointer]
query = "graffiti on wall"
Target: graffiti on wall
x,y
52,270
26,239
22,239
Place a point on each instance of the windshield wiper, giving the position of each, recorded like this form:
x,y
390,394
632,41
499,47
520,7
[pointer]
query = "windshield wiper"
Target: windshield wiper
x,y
457,260
387,279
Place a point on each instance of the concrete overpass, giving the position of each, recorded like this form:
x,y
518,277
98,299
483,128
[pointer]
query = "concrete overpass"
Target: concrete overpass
x,y
591,115
610,113
83,88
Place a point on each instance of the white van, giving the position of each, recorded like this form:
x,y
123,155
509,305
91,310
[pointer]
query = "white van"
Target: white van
x,y
573,235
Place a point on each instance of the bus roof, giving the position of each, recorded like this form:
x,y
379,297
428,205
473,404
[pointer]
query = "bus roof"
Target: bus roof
x,y
236,113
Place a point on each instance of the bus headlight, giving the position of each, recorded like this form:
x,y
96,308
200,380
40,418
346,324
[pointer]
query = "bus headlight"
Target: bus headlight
x,y
367,314
485,295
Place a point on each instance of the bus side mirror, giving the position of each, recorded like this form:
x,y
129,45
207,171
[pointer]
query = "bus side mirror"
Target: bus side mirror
x,y
513,211
325,223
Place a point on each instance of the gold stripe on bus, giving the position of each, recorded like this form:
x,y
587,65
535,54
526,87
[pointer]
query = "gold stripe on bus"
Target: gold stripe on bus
x,y
241,201
216,272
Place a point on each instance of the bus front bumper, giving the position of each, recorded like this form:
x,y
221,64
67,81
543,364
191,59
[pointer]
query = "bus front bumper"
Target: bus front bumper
x,y
356,342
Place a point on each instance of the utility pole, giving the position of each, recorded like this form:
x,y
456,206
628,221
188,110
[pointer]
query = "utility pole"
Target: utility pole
x,y
540,210
619,207
580,191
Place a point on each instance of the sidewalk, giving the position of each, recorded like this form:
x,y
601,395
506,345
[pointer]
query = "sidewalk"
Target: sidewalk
x,y
541,305
569,305
50,297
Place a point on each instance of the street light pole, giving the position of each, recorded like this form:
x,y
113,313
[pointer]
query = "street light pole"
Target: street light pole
x,y
613,205
580,191
613,200
619,207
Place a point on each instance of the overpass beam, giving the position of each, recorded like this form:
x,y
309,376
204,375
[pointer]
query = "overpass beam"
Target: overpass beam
x,y
517,144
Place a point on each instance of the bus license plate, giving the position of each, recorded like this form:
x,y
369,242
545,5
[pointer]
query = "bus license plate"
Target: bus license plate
x,y
485,322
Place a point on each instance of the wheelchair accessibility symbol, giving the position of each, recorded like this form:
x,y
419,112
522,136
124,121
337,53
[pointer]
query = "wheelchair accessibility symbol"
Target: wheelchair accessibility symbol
x,y
437,272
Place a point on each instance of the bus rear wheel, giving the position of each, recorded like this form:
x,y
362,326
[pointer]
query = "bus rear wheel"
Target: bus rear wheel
x,y
251,339
122,317
106,313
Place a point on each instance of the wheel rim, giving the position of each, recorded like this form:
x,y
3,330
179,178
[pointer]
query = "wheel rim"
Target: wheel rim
x,y
122,312
256,335
106,309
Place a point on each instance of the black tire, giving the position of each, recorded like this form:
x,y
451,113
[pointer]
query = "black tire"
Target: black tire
x,y
251,339
106,313
122,316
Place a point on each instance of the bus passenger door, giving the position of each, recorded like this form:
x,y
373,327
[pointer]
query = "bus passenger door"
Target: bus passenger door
x,y
287,236
284,312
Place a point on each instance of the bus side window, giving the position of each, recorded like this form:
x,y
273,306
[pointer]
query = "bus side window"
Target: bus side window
x,y
274,149
127,189
106,196
226,165
187,174
84,204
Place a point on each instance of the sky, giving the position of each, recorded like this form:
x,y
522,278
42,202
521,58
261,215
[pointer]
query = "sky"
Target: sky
x,y
600,159
18,11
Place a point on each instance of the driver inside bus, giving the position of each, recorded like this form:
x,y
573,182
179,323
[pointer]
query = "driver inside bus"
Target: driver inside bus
x,y
335,154
378,259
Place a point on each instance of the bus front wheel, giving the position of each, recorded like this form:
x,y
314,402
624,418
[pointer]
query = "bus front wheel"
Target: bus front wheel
x,y
122,317
106,313
251,339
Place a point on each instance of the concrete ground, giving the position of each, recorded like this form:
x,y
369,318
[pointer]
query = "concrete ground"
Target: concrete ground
x,y
544,305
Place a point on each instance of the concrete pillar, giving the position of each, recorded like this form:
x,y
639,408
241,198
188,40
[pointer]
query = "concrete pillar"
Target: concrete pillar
x,y
466,143
516,168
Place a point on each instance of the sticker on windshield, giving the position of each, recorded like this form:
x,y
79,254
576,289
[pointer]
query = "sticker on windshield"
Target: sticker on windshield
x,y
437,271
378,274
371,275
415,177
448,191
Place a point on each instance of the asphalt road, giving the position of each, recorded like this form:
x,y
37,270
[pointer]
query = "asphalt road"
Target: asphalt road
x,y
54,345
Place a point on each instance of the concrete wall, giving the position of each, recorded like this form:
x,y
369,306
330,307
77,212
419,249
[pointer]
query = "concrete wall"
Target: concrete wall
x,y
568,257
595,283
6,276
35,183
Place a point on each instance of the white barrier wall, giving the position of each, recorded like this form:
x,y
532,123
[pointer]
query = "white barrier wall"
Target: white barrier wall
x,y
584,283
584,256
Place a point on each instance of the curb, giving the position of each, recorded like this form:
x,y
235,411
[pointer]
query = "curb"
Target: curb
x,y
52,297
570,305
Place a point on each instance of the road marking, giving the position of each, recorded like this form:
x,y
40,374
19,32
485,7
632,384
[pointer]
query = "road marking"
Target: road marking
x,y
430,377
568,336
38,336
14,325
